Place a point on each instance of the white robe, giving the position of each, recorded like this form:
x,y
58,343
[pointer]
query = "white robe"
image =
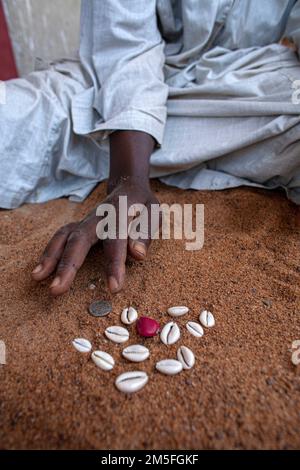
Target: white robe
x,y
207,79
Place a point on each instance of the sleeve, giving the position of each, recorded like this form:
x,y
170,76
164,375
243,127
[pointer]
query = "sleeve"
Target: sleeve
x,y
126,54
292,31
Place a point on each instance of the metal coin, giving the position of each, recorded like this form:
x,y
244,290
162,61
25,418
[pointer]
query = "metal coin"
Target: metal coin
x,y
100,308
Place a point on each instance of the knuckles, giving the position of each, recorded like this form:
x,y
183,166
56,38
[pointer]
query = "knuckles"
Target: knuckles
x,y
82,234
76,236
63,231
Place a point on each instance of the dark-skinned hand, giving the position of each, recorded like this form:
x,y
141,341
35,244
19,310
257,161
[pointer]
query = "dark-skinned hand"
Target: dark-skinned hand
x,y
70,245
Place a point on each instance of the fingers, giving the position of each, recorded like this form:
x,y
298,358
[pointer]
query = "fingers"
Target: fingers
x,y
52,253
69,247
142,230
115,253
76,249
138,249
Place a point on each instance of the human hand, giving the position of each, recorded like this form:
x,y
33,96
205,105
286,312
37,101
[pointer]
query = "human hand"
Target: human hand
x,y
68,248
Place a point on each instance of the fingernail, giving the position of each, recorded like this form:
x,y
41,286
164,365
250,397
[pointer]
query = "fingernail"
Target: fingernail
x,y
56,282
140,248
38,269
113,284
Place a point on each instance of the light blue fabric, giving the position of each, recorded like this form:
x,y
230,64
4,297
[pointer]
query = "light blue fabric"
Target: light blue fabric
x,y
209,80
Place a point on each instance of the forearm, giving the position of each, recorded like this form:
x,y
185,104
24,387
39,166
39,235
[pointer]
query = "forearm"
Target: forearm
x,y
130,153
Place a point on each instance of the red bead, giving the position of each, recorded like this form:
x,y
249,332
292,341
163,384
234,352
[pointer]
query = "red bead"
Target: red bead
x,y
147,327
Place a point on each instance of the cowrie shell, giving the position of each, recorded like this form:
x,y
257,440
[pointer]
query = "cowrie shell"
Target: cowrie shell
x,y
207,319
103,360
186,357
136,353
295,352
177,311
169,367
117,334
129,315
130,382
170,333
195,329
82,345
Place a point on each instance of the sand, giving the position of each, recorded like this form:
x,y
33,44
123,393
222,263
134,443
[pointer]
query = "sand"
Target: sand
x,y
243,393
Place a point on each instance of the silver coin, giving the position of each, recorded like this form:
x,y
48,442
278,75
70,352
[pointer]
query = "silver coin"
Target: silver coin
x,y
100,308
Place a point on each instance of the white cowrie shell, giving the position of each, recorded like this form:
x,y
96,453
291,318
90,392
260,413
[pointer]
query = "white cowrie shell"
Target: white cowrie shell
x,y
295,352
117,334
129,315
207,319
82,345
195,329
103,360
131,382
169,367
136,353
177,311
170,333
186,357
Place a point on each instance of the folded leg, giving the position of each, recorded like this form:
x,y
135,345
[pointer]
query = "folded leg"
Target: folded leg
x,y
40,156
241,128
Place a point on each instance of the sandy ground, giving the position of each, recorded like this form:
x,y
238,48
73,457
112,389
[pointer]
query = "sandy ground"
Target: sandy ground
x,y
243,392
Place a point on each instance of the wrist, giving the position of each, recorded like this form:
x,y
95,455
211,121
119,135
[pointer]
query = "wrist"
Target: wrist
x,y
130,153
142,182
